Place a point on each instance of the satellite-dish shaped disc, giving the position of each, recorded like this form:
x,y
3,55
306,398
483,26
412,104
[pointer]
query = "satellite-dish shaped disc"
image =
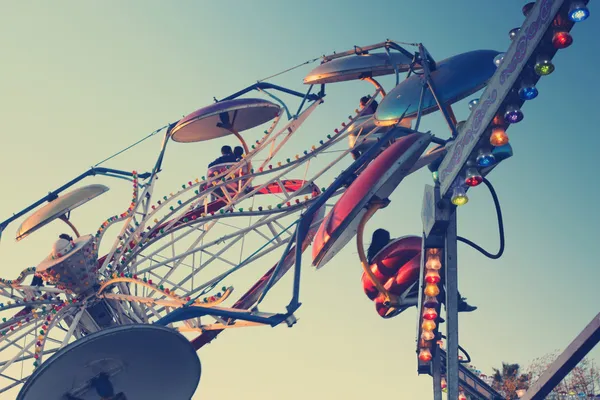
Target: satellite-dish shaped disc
x,y
219,119
454,79
357,67
140,362
378,180
59,207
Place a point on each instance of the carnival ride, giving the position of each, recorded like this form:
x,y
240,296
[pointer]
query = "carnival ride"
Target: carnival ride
x,y
172,253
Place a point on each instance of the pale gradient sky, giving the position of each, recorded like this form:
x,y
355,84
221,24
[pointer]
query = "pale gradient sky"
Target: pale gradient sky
x,y
81,80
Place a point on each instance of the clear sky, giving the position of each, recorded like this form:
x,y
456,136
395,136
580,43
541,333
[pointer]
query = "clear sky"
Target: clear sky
x,y
81,80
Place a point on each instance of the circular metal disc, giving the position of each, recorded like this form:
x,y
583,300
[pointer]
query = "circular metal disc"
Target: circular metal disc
x,y
378,180
357,67
59,207
455,78
213,121
142,362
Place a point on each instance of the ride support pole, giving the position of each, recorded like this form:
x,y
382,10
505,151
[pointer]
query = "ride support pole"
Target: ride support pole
x,y
437,375
451,271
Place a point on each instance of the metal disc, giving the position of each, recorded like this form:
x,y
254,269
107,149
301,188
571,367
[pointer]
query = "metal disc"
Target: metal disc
x,y
59,207
142,362
357,67
455,78
218,119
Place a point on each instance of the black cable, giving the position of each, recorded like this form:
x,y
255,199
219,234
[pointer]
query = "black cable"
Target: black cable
x,y
500,228
467,356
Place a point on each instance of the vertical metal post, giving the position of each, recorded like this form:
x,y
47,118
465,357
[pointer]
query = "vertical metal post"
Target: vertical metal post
x,y
451,270
437,375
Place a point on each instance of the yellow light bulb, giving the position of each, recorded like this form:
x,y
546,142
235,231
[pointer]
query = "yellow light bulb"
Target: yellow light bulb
x,y
428,325
459,196
431,290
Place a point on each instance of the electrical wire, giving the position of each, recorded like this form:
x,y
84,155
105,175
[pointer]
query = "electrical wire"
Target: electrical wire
x,y
500,227
290,69
130,146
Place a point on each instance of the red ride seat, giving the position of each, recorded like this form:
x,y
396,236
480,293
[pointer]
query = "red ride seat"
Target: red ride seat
x,y
396,267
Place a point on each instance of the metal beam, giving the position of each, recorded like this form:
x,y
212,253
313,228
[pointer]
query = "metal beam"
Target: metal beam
x,y
471,383
451,272
436,367
573,354
507,75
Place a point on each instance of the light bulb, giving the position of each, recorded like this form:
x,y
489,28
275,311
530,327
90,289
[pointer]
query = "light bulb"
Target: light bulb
x,y
498,59
528,91
432,276
485,158
562,40
459,196
430,302
578,12
498,137
427,335
430,314
473,177
472,104
428,325
513,33
527,8
431,290
543,66
433,263
513,114
425,355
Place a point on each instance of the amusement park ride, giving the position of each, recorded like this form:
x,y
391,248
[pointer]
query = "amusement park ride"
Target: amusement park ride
x,y
85,310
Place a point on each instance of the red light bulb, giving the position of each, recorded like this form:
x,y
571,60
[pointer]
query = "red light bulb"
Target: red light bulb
x,y
432,277
562,40
473,177
425,355
430,314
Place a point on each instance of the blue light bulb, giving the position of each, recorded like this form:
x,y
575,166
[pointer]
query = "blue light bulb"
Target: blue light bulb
x,y
528,92
578,12
485,159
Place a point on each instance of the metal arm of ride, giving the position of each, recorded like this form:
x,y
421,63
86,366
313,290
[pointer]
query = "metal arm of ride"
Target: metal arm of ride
x,y
188,312
358,50
114,173
429,67
267,85
185,313
303,225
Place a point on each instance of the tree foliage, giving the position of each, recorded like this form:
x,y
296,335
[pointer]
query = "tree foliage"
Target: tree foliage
x,y
582,382
509,380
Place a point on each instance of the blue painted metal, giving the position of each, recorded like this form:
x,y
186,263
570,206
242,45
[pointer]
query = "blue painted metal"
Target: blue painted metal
x,y
454,78
54,194
266,85
185,313
305,97
278,267
441,104
161,155
302,228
